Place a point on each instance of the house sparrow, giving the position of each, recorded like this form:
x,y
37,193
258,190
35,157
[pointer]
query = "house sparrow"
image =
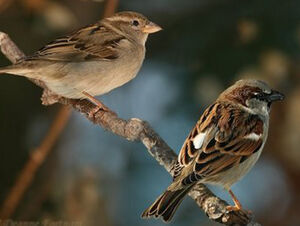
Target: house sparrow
x,y
223,146
92,60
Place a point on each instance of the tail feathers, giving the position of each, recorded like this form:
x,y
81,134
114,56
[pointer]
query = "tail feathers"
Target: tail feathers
x,y
14,69
166,204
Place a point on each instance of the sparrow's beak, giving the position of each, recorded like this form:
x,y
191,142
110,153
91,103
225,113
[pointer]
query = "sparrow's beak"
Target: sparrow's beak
x,y
275,96
151,28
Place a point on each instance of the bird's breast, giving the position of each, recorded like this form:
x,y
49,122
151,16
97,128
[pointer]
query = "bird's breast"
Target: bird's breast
x,y
95,77
227,178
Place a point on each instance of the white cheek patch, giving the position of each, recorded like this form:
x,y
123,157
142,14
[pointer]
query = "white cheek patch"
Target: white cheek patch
x,y
198,140
266,110
248,109
253,136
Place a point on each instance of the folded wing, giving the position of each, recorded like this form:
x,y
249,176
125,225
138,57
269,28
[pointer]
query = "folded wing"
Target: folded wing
x,y
218,143
94,42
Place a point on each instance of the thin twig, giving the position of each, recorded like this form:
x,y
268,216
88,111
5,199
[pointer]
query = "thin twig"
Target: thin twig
x,y
138,130
110,7
37,157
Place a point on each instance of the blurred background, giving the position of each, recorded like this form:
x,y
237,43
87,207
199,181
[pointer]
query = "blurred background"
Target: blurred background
x,y
97,178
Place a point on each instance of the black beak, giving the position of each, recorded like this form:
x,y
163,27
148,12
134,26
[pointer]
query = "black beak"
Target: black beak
x,y
274,96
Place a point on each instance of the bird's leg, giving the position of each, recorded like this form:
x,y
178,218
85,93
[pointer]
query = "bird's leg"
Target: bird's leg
x,y
237,205
100,106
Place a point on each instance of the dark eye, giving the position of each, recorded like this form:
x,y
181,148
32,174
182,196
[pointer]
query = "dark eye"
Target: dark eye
x,y
258,96
135,23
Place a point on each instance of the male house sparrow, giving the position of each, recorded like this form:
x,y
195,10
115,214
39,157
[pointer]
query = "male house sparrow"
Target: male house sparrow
x,y
92,60
223,146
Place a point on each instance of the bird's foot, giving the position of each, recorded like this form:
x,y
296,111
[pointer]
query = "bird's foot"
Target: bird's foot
x,y
233,208
102,108
237,205
99,106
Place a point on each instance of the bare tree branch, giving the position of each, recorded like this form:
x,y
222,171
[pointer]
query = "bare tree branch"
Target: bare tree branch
x,y
138,130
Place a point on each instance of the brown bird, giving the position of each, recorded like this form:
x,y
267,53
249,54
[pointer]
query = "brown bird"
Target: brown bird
x,y
223,146
92,60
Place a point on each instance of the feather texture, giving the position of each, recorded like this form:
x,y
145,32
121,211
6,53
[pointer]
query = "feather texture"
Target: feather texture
x,y
94,59
223,146
224,143
94,42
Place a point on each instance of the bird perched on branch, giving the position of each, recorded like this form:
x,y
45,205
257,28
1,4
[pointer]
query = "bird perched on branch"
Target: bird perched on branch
x,y
92,60
223,146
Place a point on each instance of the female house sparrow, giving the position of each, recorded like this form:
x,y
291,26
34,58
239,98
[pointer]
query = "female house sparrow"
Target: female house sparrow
x,y
92,60
223,146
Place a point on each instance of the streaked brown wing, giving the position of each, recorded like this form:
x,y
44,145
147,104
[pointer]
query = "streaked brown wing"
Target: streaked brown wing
x,y
231,136
188,152
208,164
94,42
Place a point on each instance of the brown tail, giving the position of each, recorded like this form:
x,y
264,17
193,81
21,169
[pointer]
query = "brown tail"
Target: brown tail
x,y
166,204
15,69
7,69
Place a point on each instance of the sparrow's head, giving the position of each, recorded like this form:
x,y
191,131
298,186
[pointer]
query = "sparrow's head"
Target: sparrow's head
x,y
133,24
255,95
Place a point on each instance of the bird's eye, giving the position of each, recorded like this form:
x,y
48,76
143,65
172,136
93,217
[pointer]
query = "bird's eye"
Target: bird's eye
x,y
258,96
135,23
